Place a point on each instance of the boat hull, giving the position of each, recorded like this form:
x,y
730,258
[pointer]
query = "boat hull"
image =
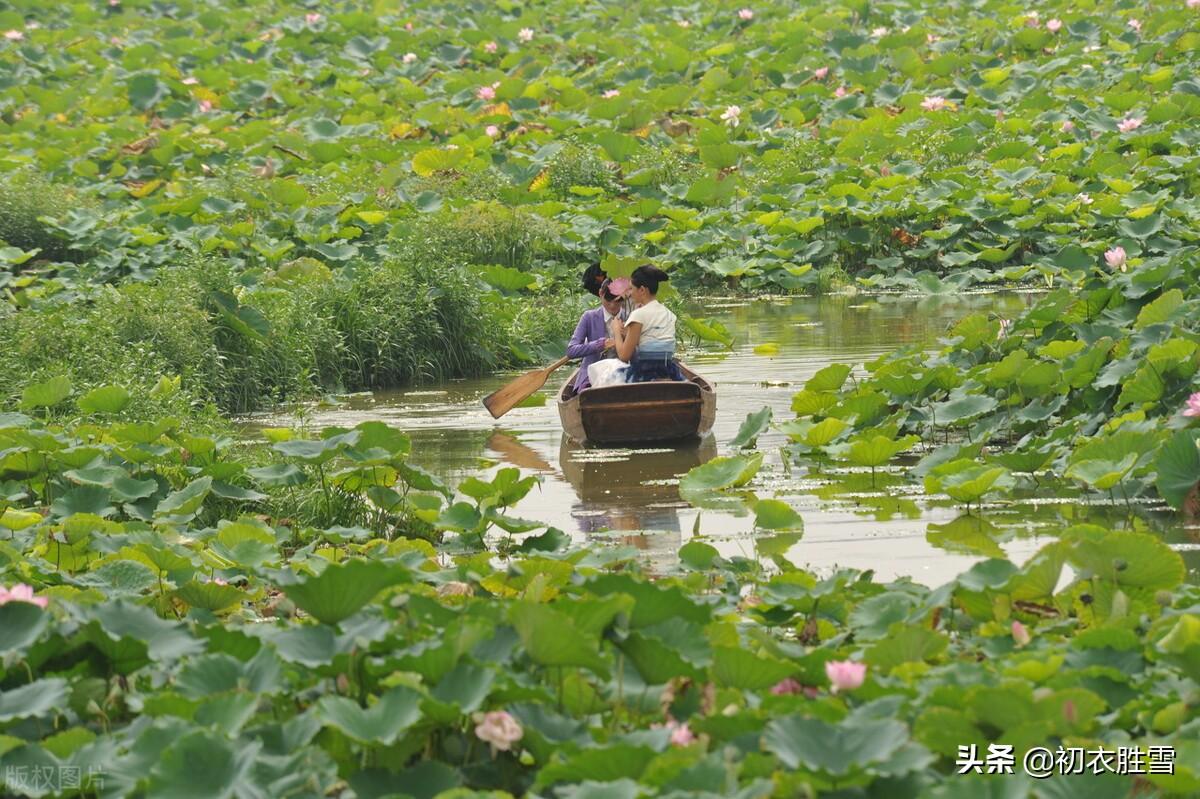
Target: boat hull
x,y
638,413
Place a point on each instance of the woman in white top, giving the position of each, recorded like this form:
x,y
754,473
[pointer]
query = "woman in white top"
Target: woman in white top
x,y
646,340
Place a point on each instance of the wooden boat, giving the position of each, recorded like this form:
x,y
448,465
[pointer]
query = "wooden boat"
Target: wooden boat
x,y
636,413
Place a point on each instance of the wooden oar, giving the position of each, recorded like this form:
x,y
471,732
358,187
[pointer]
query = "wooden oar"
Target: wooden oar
x,y
503,400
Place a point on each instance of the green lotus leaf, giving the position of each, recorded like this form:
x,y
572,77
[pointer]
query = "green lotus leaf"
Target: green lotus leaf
x,y
341,589
105,399
1177,467
836,750
46,394
877,450
186,502
722,473
753,426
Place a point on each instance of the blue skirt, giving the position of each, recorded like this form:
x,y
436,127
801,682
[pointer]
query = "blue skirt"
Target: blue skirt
x,y
653,367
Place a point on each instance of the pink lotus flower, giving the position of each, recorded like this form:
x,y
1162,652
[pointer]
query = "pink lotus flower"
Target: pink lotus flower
x,y
878,32
681,734
312,18
1136,25
1020,635
492,131
845,675
620,286
820,73
499,729
1192,406
206,106
409,58
934,103
1193,3
840,91
190,81
491,47
731,115
608,95
1068,126
14,35
683,23
1054,25
1032,21
485,93
408,26
1115,258
22,593
746,14
786,687
1130,123
525,34
1084,199
932,38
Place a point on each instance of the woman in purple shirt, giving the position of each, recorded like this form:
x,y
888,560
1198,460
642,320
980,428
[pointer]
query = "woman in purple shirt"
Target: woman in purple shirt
x,y
591,337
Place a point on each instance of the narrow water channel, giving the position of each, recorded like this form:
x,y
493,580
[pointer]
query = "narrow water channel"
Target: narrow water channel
x,y
631,496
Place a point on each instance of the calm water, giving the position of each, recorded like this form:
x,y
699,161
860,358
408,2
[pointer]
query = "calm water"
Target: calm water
x,y
631,497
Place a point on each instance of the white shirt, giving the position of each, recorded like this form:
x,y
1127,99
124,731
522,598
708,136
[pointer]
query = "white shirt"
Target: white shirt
x,y
658,328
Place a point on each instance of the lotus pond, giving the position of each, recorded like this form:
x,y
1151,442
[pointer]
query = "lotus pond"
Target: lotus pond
x,y
887,524
930,536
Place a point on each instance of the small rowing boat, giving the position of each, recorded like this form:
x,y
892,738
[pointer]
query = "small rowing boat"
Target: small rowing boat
x,y
636,413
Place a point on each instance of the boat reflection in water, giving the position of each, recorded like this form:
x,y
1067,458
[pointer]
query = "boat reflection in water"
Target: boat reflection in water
x,y
633,494
621,495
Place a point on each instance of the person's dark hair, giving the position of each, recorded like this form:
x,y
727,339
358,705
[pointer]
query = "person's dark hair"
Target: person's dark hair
x,y
593,276
648,276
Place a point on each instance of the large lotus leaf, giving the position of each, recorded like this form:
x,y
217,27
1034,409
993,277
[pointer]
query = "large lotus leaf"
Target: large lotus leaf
x,y
1178,468
466,686
202,764
835,750
653,603
772,514
752,427
21,624
84,499
210,595
1181,644
1131,559
131,636
964,480
1160,310
669,650
425,780
829,378
876,450
905,644
341,589
507,279
46,394
380,723
278,475
187,501
105,399
739,668
1102,475
721,473
962,409
13,519
552,638
39,698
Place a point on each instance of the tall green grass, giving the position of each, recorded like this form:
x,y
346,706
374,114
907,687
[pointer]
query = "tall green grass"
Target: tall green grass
x,y
370,325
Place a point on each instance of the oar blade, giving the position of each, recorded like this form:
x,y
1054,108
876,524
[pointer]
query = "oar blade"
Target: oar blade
x,y
504,399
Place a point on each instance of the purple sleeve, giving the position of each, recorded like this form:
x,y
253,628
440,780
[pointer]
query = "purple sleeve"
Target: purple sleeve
x,y
577,347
